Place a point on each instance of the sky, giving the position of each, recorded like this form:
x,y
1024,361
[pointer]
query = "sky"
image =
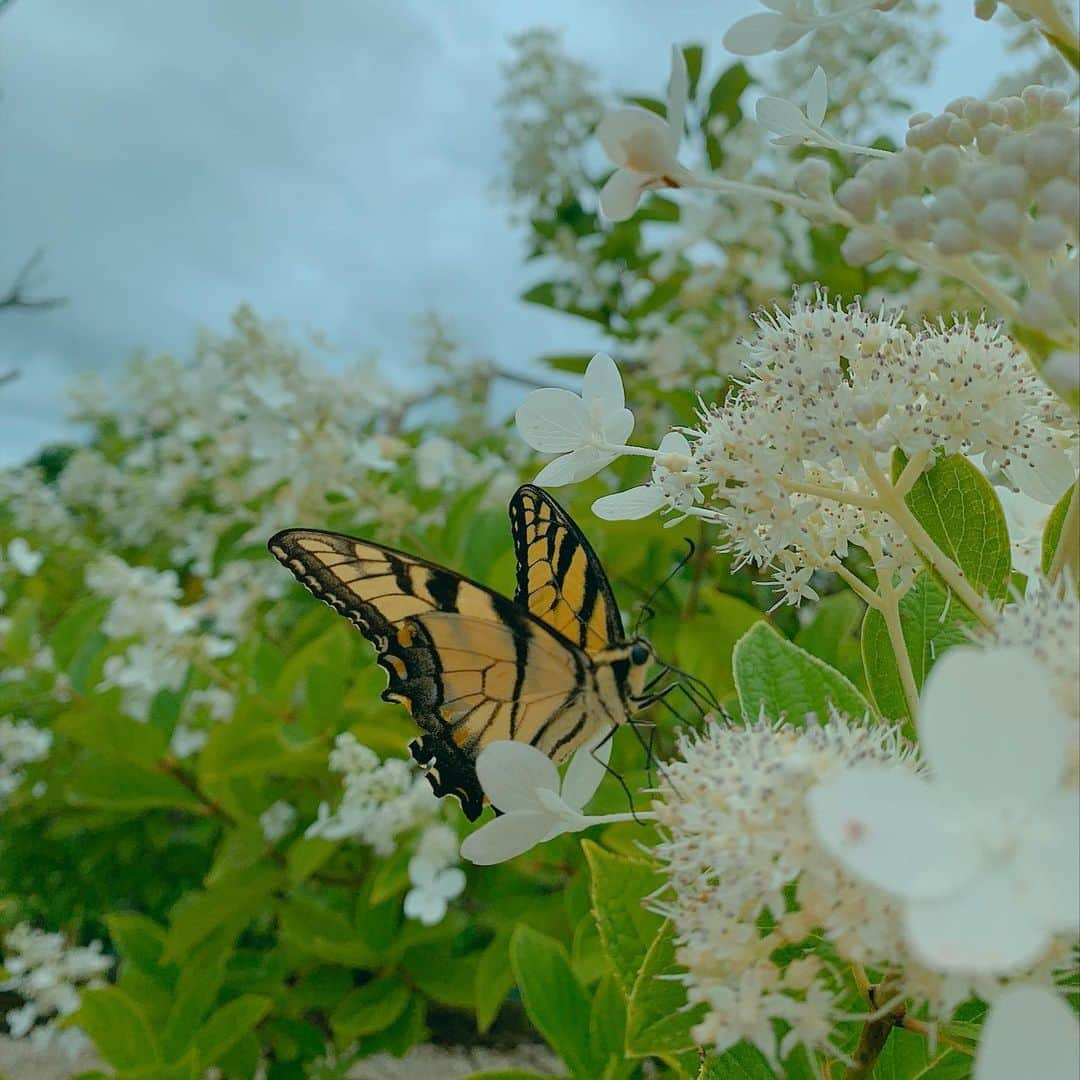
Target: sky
x,y
331,163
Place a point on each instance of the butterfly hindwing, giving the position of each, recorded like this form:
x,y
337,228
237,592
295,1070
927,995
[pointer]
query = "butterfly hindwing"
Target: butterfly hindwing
x,y
470,665
559,577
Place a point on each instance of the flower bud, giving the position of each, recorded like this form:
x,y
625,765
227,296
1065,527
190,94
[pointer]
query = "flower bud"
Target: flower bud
x,y
1061,198
910,217
1002,222
858,198
952,237
951,202
1065,285
999,182
1041,310
960,132
989,136
1053,102
1046,154
943,164
861,246
977,113
1047,233
813,178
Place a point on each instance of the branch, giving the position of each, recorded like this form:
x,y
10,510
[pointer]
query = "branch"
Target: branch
x,y
16,296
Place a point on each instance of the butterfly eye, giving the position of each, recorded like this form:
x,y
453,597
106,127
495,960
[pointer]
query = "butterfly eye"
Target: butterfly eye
x,y
639,654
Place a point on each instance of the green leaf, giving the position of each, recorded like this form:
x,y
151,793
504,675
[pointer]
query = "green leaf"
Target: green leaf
x,y
319,931
693,55
931,623
657,1020
108,784
81,619
370,1008
906,1056
391,877
607,1021
139,940
626,928
576,363
118,1028
507,1074
260,750
741,1062
306,855
776,678
705,644
230,1024
493,980
236,897
115,735
1052,534
553,998
196,991
959,508
832,634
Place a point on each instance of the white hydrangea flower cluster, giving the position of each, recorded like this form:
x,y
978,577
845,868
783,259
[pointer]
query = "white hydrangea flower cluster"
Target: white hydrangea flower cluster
x,y
167,636
49,973
382,799
993,178
277,820
739,853
435,876
797,451
20,743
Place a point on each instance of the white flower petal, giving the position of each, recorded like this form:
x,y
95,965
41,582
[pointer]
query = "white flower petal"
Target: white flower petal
x,y
552,420
675,442
422,872
619,197
678,91
510,772
892,828
979,929
630,505
989,725
573,467
1045,474
602,385
584,773
1028,1024
506,837
449,882
1046,869
637,139
817,97
784,118
425,906
754,35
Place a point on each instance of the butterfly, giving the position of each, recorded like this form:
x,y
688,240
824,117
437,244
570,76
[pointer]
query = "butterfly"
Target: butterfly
x,y
551,667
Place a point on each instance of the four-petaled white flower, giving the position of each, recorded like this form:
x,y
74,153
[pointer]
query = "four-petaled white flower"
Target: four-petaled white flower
x,y
985,853
789,124
788,21
23,557
524,784
674,484
588,431
434,886
1027,1021
644,148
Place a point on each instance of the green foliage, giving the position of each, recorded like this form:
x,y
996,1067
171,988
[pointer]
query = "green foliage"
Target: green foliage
x,y
776,679
1052,534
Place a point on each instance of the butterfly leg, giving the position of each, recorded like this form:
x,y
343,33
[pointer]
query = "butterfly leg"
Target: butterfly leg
x,y
618,776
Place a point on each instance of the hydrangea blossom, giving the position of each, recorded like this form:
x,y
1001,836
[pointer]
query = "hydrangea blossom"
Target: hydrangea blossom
x,y
48,974
984,854
674,485
1026,1024
788,21
22,557
382,799
435,878
21,743
524,784
644,148
588,431
277,820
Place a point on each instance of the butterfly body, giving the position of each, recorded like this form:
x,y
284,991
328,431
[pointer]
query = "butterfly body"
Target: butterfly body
x,y
550,667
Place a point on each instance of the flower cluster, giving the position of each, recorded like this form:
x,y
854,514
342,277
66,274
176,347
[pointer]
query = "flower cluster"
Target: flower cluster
x,y
48,974
382,799
747,881
20,743
435,877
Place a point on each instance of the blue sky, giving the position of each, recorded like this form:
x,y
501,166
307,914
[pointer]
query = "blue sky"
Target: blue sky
x,y
330,163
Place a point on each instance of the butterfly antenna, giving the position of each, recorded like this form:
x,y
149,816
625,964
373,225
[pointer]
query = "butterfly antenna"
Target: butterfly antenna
x,y
647,606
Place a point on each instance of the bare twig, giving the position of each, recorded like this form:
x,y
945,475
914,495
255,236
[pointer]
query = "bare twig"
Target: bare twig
x,y
16,296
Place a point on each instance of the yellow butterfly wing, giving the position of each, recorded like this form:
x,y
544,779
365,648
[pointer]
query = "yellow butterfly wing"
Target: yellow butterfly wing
x,y
559,577
470,665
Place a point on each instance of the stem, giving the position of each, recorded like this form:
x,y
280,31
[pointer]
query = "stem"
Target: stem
x,y
171,767
890,612
857,585
875,1032
610,819
917,1027
894,505
1067,553
837,494
911,473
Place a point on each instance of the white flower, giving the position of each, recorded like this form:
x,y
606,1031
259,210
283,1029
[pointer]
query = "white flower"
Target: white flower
x,y
674,484
588,431
786,22
186,740
1028,1024
277,820
433,888
25,560
792,126
985,854
644,148
524,783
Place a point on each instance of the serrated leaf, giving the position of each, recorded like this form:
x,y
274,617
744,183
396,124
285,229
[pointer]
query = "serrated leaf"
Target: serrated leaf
x,y
932,624
832,634
626,928
775,678
118,1027
906,1056
1052,533
553,998
958,507
657,1020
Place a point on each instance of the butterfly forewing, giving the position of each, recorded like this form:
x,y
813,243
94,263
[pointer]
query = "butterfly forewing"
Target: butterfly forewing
x,y
470,665
559,578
